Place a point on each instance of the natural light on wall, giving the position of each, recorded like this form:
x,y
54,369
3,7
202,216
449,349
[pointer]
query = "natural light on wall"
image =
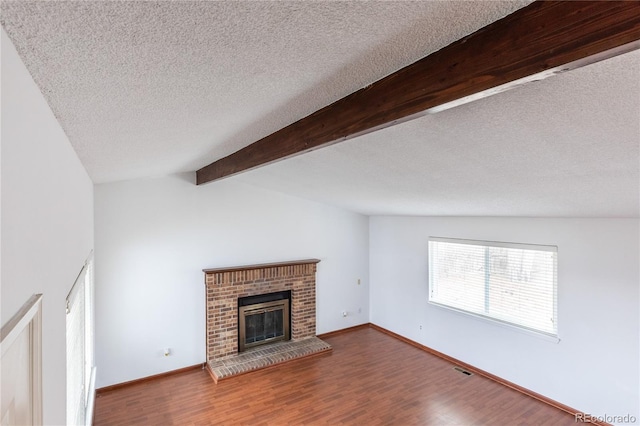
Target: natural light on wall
x,y
507,282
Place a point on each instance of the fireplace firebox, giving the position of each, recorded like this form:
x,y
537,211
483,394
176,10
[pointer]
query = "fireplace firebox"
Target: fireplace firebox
x,y
263,319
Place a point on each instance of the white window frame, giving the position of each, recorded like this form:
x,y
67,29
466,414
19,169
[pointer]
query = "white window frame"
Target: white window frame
x,y
553,336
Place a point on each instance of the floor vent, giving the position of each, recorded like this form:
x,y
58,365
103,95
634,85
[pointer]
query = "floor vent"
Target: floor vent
x,y
463,371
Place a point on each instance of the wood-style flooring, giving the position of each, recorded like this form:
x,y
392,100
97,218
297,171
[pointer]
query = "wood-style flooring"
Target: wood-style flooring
x,y
369,378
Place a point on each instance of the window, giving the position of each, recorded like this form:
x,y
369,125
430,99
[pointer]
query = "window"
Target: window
x,y
80,357
511,283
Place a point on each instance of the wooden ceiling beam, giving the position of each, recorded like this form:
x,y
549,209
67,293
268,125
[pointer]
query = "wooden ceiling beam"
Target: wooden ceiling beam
x,y
539,40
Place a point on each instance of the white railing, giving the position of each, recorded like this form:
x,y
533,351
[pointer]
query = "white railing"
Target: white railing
x,y
26,386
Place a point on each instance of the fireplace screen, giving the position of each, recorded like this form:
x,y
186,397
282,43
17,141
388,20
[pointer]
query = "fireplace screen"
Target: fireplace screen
x,y
263,319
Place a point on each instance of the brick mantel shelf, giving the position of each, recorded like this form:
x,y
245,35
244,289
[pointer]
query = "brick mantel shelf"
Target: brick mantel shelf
x,y
225,285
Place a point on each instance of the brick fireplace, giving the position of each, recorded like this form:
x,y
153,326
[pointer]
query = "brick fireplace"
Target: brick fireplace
x,y
224,286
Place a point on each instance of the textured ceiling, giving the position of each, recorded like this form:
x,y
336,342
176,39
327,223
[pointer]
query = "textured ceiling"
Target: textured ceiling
x,y
152,88
565,146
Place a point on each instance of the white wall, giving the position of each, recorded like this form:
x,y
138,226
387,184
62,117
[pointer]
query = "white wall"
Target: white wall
x,y
47,218
595,366
154,237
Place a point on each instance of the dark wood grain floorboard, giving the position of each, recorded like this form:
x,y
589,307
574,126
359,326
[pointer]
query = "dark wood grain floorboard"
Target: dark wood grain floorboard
x,y
369,379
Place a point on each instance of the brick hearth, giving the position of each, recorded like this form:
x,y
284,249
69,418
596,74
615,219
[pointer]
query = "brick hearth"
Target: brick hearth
x,y
266,356
225,285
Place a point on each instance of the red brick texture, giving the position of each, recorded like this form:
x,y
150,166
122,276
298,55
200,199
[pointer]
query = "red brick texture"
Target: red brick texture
x,y
225,286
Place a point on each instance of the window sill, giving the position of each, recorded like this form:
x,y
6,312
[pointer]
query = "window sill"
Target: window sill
x,y
514,327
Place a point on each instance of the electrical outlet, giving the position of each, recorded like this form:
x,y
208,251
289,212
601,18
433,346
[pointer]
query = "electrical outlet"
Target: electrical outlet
x,y
344,313
420,326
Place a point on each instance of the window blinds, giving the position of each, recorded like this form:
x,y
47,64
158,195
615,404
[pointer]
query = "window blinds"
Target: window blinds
x,y
508,282
79,339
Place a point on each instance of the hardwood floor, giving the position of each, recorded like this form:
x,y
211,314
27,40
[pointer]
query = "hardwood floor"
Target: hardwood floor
x,y
369,378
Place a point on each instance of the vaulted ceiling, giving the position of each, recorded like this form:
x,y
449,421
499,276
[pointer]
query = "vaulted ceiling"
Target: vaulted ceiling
x,y
151,88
